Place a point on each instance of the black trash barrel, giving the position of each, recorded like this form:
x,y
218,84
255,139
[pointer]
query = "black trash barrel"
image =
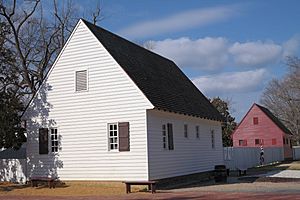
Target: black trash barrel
x,y
220,173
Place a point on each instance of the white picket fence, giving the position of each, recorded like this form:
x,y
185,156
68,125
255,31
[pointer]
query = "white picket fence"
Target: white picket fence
x,y
296,152
241,158
13,165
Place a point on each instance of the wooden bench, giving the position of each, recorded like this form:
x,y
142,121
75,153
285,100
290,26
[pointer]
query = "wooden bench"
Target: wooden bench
x,y
242,171
151,185
36,180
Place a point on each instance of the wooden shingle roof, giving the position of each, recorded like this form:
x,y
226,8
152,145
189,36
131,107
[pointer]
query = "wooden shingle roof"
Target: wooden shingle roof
x,y
274,119
159,78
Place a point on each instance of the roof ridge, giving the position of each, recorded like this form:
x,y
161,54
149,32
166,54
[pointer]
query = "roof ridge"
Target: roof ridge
x,y
139,46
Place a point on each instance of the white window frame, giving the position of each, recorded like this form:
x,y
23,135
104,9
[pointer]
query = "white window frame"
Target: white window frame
x,y
186,131
197,132
54,132
87,79
213,139
165,137
116,148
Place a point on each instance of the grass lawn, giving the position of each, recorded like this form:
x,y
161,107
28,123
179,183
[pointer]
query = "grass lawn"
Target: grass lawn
x,y
72,188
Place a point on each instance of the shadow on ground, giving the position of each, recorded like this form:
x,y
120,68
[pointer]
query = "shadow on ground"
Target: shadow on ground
x,y
255,174
8,187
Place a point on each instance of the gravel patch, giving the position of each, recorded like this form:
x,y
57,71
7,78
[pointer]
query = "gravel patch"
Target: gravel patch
x,y
285,174
255,187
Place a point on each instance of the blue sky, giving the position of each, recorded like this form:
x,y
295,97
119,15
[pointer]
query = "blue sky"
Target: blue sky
x,y
227,48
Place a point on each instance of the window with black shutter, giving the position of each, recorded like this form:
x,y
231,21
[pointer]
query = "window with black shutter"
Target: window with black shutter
x,y
54,140
197,132
164,137
185,130
113,136
170,136
118,136
124,136
43,141
212,133
124,144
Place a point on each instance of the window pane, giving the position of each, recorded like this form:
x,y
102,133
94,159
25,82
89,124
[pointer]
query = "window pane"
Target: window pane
x,y
113,136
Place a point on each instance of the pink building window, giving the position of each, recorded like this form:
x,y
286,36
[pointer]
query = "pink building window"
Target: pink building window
x,y
242,142
274,141
255,120
259,141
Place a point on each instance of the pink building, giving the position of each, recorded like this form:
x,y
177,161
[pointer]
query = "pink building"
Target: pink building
x,y
260,127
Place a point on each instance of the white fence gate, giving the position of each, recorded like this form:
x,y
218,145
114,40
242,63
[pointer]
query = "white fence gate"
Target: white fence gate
x,y
241,158
13,165
296,152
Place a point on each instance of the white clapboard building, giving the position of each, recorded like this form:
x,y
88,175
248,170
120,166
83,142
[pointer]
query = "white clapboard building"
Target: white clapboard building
x,y
111,110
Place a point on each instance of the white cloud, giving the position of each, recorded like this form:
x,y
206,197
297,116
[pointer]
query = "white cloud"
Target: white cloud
x,y
180,21
291,46
207,53
215,53
255,53
230,83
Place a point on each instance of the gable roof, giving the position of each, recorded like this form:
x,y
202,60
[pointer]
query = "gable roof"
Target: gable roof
x,y
274,119
159,78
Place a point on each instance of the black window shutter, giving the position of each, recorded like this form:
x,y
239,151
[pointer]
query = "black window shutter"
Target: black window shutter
x,y
124,136
43,141
170,136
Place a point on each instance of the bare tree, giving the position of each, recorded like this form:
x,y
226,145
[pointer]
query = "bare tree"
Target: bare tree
x,y
150,45
282,97
97,14
35,39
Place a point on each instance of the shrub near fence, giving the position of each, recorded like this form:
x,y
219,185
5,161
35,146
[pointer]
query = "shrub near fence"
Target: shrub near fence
x,y
247,157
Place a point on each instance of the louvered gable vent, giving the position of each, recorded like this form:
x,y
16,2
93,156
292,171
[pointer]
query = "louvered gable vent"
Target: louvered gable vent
x,y
81,80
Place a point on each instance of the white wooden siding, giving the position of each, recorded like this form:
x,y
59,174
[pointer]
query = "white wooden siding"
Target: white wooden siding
x,y
190,155
81,117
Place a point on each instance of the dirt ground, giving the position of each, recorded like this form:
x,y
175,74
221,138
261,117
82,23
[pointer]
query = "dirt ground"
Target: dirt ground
x,y
72,188
170,196
236,188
